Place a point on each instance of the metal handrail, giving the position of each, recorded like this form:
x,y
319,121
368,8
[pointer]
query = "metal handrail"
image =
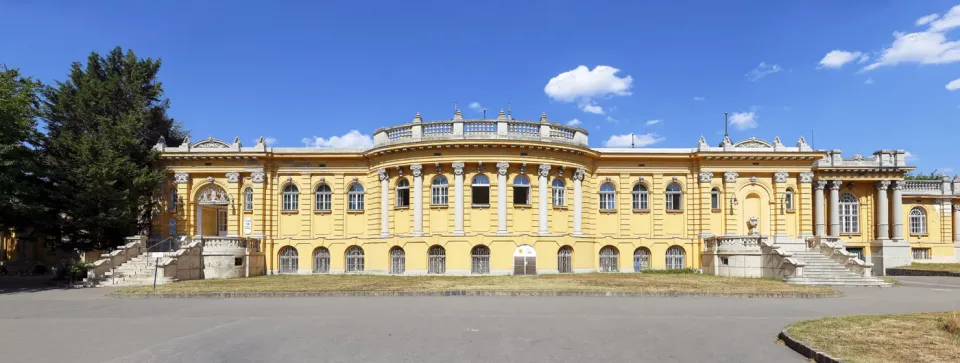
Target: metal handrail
x,y
168,244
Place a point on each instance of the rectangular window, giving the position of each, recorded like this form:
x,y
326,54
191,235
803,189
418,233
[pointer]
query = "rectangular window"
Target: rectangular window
x,y
290,202
440,195
558,197
715,201
480,195
521,195
323,201
673,202
403,197
640,200
857,252
921,253
607,201
222,221
356,201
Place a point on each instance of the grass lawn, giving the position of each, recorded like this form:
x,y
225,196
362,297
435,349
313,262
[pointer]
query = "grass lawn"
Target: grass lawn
x,y
884,338
949,267
637,283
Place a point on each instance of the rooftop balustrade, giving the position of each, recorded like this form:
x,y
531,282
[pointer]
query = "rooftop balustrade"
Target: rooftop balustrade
x,y
501,128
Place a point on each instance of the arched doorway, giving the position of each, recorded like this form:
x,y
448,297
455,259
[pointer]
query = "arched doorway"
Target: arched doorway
x,y
524,260
212,202
753,208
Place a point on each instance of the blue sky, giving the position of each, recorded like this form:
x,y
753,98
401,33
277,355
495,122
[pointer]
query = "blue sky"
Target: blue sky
x,y
295,70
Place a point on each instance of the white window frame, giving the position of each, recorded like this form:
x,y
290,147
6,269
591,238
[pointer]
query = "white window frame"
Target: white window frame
x,y
674,197
354,259
676,258
403,193
321,260
788,199
289,260
439,191
641,259
608,197
480,260
291,196
355,196
558,192
323,198
436,260
715,199
248,199
398,260
474,184
849,214
918,221
609,259
521,182
641,197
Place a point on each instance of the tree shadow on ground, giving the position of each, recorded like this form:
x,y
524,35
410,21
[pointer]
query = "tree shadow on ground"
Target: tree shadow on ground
x,y
30,283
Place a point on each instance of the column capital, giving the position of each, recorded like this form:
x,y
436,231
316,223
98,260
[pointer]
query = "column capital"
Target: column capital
x,y
544,170
956,207
258,177
233,177
730,177
579,173
181,178
897,185
806,177
882,185
820,184
458,168
382,174
835,184
706,177
502,168
417,170
780,177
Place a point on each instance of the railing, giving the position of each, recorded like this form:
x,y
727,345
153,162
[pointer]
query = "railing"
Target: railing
x,y
523,128
169,244
923,186
224,242
400,133
439,128
734,243
482,127
561,133
500,129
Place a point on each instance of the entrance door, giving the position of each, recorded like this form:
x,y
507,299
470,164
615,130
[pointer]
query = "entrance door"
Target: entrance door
x,y
525,261
221,222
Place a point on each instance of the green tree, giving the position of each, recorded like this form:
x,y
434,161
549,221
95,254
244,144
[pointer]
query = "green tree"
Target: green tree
x,y
102,123
24,183
933,175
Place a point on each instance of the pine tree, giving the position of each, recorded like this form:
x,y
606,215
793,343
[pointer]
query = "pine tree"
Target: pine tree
x,y
102,123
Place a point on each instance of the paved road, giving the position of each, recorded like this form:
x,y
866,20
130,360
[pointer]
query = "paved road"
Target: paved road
x,y
83,326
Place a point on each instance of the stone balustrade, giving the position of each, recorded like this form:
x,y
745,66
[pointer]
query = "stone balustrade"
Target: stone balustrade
x,y
134,246
734,243
833,248
501,128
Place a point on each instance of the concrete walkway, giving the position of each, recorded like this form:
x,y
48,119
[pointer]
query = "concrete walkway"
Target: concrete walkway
x,y
84,326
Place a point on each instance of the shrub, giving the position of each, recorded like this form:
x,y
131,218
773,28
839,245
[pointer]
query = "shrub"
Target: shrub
x,y
678,271
952,323
39,269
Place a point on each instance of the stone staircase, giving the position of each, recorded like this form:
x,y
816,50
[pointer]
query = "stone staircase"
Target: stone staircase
x,y
138,271
824,271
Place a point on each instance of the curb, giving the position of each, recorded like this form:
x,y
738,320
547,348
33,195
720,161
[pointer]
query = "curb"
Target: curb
x,y
806,350
912,272
227,295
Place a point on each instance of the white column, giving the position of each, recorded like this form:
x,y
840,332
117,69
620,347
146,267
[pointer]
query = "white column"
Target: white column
x,y
502,198
417,171
956,225
458,198
897,210
578,201
883,223
818,218
835,208
384,202
543,185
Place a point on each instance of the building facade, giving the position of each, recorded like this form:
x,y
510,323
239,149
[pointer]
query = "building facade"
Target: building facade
x,y
503,196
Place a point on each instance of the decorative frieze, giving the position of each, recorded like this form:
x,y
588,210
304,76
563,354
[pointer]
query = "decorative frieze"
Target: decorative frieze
x,y
181,178
780,177
706,177
233,177
730,177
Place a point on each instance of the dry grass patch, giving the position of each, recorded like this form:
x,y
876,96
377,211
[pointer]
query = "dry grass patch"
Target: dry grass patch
x,y
948,267
925,337
638,283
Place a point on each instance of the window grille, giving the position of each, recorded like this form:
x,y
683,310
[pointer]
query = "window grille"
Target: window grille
x,y
321,260
674,197
641,259
398,261
354,259
439,191
608,197
436,260
921,253
356,197
565,259
521,190
479,127
559,192
248,199
609,259
288,260
324,197
480,190
403,193
918,221
437,128
290,198
640,197
480,263
849,214
524,129
400,132
675,258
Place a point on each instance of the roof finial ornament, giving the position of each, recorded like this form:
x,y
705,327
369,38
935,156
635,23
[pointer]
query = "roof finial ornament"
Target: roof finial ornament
x,y
509,115
501,116
417,119
702,143
543,118
726,142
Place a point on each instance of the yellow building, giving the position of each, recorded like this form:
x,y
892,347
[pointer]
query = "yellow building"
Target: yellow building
x,y
503,196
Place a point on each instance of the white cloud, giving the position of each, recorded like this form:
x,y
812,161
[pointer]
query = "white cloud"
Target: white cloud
x,y
612,120
909,156
924,20
699,98
584,86
591,108
953,85
921,48
950,20
744,120
762,70
475,106
268,140
787,108
627,140
837,58
352,139
863,59
946,170
574,122
653,122
868,81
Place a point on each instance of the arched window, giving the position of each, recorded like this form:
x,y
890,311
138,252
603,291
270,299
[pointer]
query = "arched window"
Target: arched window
x,y
521,190
565,259
641,259
356,197
609,259
439,191
480,261
398,261
788,199
436,260
403,193
172,203
640,197
321,260
849,214
918,221
674,197
355,259
172,227
608,196
480,191
675,258
559,192
291,195
715,199
289,260
248,199
324,197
